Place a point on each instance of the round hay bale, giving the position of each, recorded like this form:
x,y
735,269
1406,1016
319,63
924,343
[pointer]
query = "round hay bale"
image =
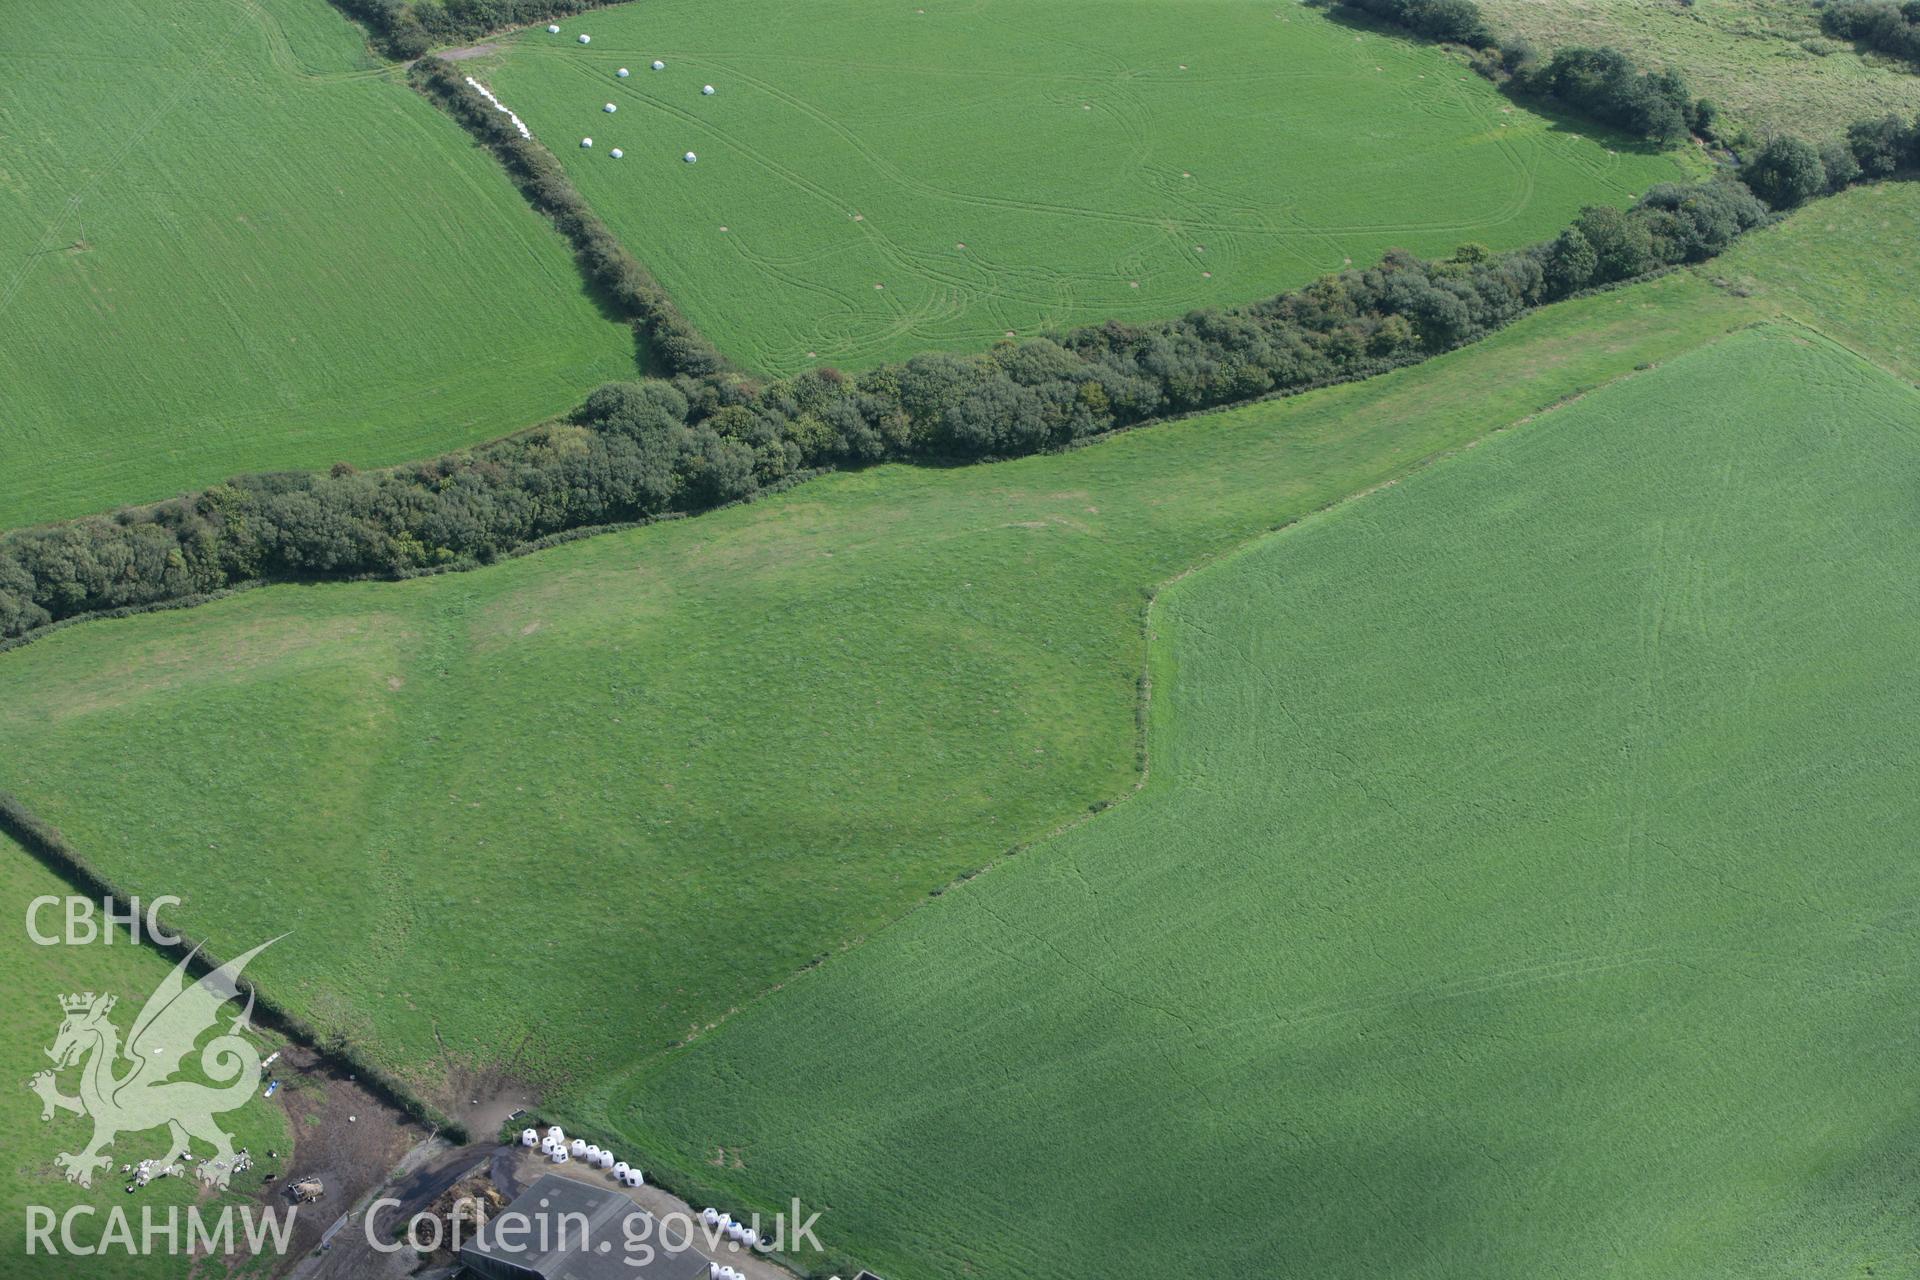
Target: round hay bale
x,y
623,73
659,65
616,153
690,157
553,29
710,1216
610,108
586,39
706,90
586,142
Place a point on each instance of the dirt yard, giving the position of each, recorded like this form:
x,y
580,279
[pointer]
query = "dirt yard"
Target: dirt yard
x,y
343,1135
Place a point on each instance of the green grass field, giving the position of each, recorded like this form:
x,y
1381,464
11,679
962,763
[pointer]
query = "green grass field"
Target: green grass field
x,y
1764,62
36,979
1867,297
233,244
1524,887
672,766
565,810
878,179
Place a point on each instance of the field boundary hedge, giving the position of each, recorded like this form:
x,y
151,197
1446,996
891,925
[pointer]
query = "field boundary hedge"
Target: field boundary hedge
x,y
49,846
685,1180
607,263
708,435
638,451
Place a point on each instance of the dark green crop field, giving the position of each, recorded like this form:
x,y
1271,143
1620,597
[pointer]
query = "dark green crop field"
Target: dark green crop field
x,y
1524,887
1468,925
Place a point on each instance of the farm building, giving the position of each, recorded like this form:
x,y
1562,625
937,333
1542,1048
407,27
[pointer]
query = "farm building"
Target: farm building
x,y
559,1230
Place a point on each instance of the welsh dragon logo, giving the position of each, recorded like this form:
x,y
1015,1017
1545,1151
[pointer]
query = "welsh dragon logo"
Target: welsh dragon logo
x,y
133,1089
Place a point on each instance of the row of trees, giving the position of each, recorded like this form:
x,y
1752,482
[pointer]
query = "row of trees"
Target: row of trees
x,y
405,29
637,450
1787,171
1878,24
615,273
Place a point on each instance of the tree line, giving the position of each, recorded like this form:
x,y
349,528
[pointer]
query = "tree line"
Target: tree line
x,y
709,435
646,449
1878,24
45,842
1787,170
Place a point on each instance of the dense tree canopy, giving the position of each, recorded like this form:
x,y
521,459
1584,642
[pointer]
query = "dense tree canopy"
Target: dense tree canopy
x,y
1786,172
406,29
1878,24
1455,20
1605,84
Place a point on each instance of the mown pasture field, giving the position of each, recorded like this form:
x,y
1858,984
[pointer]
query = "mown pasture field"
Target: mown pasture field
x,y
1765,63
1865,296
877,179
234,244
565,810
36,978
1524,887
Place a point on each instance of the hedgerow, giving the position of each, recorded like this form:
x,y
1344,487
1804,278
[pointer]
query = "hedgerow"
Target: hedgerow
x,y
708,435
641,450
667,334
45,842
